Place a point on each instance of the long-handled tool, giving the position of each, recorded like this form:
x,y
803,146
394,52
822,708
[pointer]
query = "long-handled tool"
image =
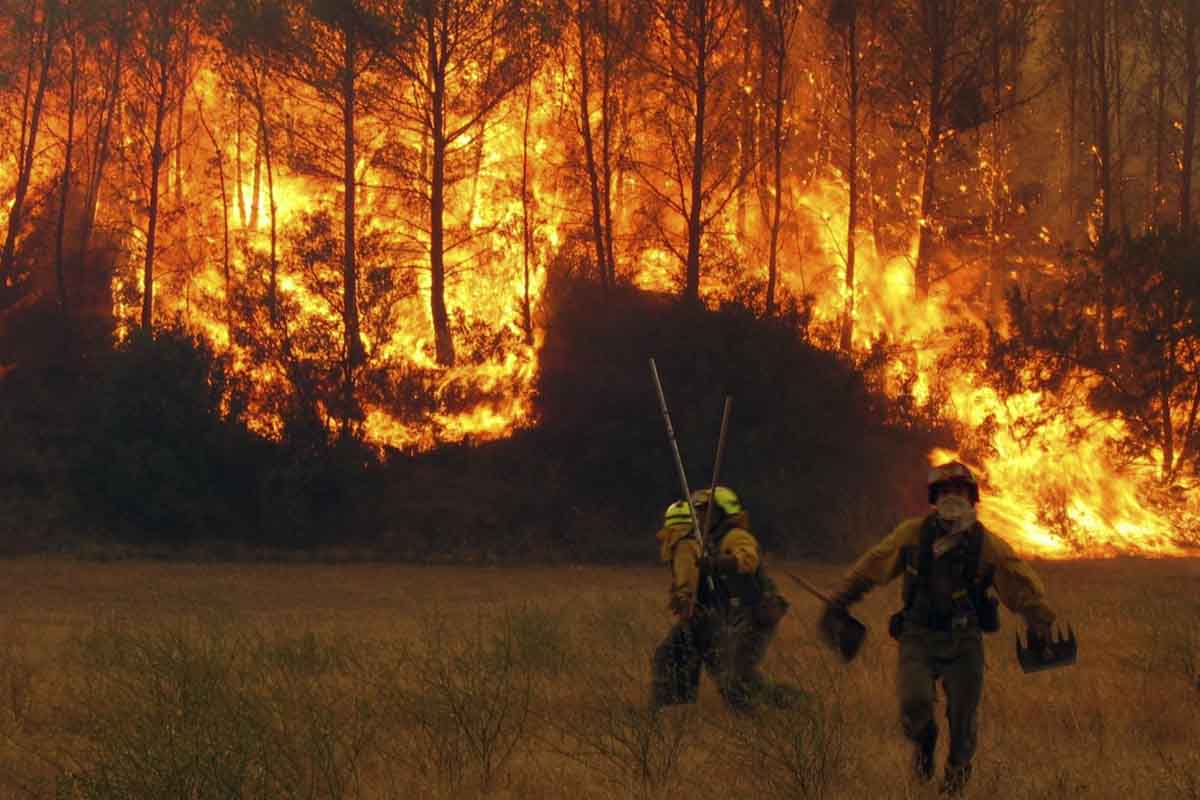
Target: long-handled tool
x,y
837,626
712,489
683,484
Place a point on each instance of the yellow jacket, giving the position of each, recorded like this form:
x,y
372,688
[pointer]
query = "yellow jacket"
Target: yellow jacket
x,y
681,550
1017,585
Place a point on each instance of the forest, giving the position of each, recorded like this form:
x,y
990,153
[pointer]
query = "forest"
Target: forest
x,y
387,273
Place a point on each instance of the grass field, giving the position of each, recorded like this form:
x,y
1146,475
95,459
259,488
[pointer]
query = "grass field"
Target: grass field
x,y
155,680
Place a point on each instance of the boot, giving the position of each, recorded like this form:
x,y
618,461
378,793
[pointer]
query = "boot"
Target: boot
x,y
922,761
955,781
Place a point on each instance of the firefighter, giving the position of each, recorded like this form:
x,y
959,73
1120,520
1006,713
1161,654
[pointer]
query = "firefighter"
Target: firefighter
x,y
949,562
727,609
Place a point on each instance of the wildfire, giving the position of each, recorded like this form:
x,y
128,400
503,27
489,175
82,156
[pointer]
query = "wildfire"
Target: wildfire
x,y
1051,495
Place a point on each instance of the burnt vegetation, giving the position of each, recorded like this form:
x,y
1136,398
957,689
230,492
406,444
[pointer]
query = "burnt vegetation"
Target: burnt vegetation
x,y
385,274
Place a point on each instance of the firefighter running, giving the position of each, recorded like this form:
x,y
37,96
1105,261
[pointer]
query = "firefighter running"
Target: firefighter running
x,y
727,608
949,561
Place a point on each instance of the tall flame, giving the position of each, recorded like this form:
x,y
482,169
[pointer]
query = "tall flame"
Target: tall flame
x,y
1051,494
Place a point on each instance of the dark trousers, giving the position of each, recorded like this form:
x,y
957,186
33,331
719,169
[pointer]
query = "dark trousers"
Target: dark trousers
x,y
955,659
730,647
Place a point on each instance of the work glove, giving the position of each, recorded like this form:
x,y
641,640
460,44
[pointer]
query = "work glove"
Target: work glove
x,y
717,564
681,605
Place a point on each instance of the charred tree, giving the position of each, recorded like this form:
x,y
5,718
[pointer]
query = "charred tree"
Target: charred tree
x,y
942,47
71,39
248,32
38,23
692,170
459,59
158,77
113,40
585,23
332,50
777,26
1191,88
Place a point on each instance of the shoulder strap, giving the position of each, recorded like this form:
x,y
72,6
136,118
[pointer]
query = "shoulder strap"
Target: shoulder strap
x,y
917,580
978,577
925,549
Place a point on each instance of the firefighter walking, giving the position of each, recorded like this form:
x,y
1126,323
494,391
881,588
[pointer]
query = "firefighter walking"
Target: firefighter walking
x,y
727,609
949,562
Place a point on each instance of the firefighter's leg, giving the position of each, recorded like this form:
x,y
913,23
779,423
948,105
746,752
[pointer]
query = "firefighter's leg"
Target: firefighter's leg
x,y
675,668
915,683
752,649
963,680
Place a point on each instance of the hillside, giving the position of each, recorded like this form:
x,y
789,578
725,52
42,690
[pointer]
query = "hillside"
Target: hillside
x,y
144,447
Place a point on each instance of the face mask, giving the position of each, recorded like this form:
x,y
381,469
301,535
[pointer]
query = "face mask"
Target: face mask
x,y
956,510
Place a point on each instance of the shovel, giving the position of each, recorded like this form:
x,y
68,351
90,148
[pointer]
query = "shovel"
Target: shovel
x,y
1040,654
837,626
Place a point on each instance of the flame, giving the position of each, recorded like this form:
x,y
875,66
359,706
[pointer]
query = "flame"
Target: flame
x,y
488,291
1051,495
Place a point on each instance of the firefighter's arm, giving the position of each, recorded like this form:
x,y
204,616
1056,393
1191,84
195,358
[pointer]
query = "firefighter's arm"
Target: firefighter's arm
x,y
878,566
1016,583
740,546
681,550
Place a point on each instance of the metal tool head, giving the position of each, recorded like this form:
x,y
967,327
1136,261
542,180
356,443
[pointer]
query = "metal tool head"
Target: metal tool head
x,y
1039,654
842,632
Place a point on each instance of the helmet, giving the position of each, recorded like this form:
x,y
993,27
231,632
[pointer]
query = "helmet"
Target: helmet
x,y
727,501
678,513
952,472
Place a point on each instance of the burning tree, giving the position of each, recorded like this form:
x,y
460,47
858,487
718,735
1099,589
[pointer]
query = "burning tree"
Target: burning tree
x,y
159,77
692,82
1149,379
943,47
332,50
459,59
31,38
605,30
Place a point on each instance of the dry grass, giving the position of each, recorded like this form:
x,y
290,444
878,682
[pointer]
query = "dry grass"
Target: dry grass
x,y
148,680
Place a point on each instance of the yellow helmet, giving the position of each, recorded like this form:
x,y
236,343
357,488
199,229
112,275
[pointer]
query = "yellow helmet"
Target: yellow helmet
x,y
726,499
727,503
678,513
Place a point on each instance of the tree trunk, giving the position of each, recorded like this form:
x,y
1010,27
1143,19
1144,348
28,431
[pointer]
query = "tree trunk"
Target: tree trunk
x,y
746,104
1192,79
1070,195
1157,191
606,130
91,199
256,176
691,291
847,340
585,127
526,221
1103,117
996,184
157,157
25,166
178,152
353,344
65,185
273,277
219,155
929,167
443,342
